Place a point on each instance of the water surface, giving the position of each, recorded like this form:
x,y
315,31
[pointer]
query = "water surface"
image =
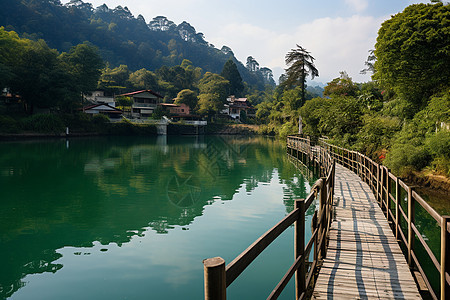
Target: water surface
x,y
133,218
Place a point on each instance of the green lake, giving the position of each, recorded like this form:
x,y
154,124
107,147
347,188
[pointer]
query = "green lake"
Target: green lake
x,y
133,217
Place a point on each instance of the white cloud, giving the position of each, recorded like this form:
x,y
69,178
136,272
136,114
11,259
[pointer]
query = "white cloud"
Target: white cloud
x,y
338,44
357,5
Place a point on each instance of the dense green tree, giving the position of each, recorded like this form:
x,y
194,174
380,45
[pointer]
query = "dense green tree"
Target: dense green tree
x,y
143,80
312,112
39,78
115,80
231,73
413,52
11,47
187,97
424,139
83,65
300,65
213,93
341,86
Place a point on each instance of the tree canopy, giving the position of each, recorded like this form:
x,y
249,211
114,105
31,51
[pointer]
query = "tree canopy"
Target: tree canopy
x,y
413,52
122,38
43,77
231,73
300,65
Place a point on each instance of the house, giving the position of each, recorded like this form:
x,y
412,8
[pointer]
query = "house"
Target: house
x,y
235,106
176,109
99,97
144,103
113,113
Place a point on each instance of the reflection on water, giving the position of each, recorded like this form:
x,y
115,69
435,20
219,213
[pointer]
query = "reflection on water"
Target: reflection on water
x,y
125,217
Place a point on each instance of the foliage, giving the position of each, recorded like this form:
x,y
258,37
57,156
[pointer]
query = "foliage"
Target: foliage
x,y
159,112
213,93
439,147
341,86
311,114
43,77
376,133
124,101
426,137
412,51
122,39
231,73
187,97
8,124
300,65
83,64
143,80
43,123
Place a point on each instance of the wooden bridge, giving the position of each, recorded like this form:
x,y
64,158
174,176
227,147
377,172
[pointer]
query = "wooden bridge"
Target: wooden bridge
x,y
356,235
363,258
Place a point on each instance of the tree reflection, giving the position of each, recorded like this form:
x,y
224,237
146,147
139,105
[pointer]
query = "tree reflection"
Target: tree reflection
x,y
110,189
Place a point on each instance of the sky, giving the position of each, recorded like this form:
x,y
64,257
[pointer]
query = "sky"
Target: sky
x,y
337,33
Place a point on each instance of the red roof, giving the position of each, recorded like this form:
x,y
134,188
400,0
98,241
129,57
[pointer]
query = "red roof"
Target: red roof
x,y
140,92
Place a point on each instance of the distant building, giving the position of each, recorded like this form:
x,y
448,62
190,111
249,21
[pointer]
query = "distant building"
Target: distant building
x,y
144,103
235,106
105,109
176,109
99,97
8,98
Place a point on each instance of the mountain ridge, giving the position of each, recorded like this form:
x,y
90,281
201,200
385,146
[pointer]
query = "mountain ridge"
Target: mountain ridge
x,y
121,37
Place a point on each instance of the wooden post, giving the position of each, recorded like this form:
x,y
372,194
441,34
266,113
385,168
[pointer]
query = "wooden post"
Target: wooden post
x,y
377,194
397,205
299,248
381,187
411,214
445,260
316,239
324,210
215,279
388,194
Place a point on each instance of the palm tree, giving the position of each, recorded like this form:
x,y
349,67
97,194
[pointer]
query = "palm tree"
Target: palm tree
x,y
300,64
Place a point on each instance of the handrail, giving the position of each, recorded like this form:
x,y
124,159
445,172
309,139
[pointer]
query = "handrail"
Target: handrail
x,y
218,276
387,189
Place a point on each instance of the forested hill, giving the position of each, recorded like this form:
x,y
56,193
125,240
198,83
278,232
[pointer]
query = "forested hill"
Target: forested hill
x,y
121,37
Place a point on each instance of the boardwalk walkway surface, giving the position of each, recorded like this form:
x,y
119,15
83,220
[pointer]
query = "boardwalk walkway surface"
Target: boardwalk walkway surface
x,y
363,259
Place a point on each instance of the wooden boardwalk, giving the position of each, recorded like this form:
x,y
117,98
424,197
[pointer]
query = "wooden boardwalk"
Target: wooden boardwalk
x,y
363,260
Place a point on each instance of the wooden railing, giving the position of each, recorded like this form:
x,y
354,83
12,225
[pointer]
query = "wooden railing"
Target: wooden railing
x,y
218,276
400,204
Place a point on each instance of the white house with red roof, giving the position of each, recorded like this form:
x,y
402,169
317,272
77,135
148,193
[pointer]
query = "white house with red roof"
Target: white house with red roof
x,y
144,103
235,105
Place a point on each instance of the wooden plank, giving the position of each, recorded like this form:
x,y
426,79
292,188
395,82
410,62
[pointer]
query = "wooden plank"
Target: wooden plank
x,y
363,258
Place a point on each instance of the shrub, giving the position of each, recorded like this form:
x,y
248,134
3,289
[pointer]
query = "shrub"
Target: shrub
x,y
404,156
8,125
438,145
43,123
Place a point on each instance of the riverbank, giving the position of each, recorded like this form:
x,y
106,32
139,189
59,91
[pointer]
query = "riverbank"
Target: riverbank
x,y
435,189
428,180
126,128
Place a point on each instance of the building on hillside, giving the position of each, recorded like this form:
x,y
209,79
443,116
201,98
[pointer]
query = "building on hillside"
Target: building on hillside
x,y
9,98
111,112
144,103
99,97
235,106
176,109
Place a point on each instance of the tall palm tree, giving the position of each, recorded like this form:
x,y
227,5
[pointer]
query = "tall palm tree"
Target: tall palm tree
x,y
300,64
